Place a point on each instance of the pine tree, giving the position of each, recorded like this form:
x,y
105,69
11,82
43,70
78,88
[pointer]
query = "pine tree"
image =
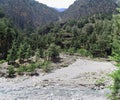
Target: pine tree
x,y
21,52
37,55
28,52
24,51
12,53
53,52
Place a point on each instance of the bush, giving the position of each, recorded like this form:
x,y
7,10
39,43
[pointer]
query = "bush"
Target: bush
x,y
52,52
2,61
71,51
115,88
21,69
28,68
84,52
31,67
11,71
46,66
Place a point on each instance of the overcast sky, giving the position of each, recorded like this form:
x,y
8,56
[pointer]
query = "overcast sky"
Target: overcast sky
x,y
57,3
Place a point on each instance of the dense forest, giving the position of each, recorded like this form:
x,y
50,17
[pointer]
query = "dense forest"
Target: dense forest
x,y
90,36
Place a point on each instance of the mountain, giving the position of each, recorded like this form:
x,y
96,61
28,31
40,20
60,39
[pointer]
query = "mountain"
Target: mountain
x,y
117,1
30,14
83,8
27,14
60,9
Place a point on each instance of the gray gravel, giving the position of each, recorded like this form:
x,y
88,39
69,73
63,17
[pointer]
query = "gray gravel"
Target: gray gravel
x,y
74,82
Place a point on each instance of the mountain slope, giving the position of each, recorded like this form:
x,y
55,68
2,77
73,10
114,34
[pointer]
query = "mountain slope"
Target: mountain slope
x,y
28,13
83,8
117,1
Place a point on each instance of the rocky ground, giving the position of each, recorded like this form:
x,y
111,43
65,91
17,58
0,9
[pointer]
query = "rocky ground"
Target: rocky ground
x,y
82,80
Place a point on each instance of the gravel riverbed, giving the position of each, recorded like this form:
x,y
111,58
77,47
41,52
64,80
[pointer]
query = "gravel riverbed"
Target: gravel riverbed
x,y
75,82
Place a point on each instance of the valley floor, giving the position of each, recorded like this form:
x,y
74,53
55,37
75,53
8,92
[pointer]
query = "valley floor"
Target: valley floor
x,y
82,80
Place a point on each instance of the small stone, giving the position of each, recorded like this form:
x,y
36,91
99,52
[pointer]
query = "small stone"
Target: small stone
x,y
101,87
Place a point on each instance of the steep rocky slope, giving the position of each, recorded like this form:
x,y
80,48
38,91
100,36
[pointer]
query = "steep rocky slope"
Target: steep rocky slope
x,y
83,8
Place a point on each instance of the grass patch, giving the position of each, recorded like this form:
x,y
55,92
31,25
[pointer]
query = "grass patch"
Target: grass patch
x,y
2,61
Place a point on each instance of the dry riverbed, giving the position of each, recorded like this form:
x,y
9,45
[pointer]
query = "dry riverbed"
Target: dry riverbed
x,y
82,80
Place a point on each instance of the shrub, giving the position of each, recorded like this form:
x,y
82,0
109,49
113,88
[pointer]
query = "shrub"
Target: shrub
x,y
2,61
71,51
11,71
46,66
21,69
84,52
115,88
31,67
52,52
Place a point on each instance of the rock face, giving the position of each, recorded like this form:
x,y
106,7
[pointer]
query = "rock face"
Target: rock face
x,y
83,8
28,13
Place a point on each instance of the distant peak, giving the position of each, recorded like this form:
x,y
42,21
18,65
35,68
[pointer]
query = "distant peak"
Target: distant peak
x,y
61,9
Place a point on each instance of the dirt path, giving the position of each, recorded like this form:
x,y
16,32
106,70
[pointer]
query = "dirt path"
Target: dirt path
x,y
75,82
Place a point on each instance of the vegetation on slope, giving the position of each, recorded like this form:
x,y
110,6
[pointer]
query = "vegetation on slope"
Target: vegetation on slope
x,y
7,34
90,36
83,8
28,14
116,57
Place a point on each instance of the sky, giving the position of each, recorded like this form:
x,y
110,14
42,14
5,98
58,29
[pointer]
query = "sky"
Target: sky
x,y
57,3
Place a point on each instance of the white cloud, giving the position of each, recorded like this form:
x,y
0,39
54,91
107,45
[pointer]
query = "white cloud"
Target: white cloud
x,y
57,3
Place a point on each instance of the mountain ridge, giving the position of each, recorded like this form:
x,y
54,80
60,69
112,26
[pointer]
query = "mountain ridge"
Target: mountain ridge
x,y
83,8
28,13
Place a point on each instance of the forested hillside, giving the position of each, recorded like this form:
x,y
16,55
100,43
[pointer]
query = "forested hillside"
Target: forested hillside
x,y
7,35
28,14
83,8
90,36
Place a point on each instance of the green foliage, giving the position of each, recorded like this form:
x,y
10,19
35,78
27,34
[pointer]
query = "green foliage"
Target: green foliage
x,y
12,53
84,52
11,71
2,61
46,67
1,13
53,52
115,88
37,55
24,51
115,95
88,28
28,68
21,69
7,35
71,51
31,67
